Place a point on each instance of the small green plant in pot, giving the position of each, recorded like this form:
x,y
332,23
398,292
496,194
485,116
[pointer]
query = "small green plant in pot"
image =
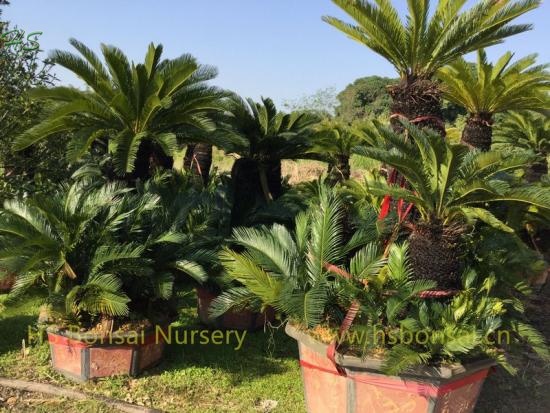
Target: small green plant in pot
x,y
352,306
103,289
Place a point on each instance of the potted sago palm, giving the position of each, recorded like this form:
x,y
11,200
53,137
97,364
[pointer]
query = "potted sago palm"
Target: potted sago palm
x,y
206,215
108,300
368,341
451,189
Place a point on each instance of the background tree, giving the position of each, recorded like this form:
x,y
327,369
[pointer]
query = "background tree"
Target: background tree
x,y
425,42
35,169
487,89
137,111
366,97
323,102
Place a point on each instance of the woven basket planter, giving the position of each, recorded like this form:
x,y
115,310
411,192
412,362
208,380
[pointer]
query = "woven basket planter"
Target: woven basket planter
x,y
361,387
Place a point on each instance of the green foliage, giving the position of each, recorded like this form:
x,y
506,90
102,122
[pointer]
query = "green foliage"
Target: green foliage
x,y
491,88
103,249
37,169
334,138
127,106
65,241
261,136
448,183
313,276
288,271
366,97
263,133
333,142
524,130
426,41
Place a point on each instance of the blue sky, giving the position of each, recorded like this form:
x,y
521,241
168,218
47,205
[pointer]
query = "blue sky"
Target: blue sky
x,y
275,48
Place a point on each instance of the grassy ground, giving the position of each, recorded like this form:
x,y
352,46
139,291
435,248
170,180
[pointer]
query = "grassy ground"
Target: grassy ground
x,y
262,376
20,401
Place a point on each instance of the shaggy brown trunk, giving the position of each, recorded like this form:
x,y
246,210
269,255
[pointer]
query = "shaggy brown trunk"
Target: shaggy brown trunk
x,y
435,253
434,247
478,132
339,170
149,157
419,101
198,160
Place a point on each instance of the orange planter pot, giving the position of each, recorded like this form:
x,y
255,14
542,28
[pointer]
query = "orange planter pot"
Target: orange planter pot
x,y
361,387
84,356
232,320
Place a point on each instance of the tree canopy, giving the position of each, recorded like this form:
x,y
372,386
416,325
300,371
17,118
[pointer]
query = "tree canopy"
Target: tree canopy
x,y
37,167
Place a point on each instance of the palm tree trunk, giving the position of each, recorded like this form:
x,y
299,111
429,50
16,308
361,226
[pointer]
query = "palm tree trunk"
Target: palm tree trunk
x,y
435,253
478,132
265,185
198,160
247,189
338,170
419,101
149,157
188,158
535,171
274,177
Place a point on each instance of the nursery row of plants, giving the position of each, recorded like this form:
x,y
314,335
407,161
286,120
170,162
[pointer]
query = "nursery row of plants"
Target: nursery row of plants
x,y
404,286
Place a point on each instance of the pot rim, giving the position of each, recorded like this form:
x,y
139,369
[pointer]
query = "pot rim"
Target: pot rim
x,y
355,365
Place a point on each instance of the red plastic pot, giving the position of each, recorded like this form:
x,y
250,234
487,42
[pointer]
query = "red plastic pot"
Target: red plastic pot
x,y
361,387
232,320
86,356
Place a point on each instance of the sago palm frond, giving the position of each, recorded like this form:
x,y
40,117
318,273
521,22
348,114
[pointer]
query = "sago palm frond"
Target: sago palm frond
x,y
127,103
429,39
492,88
446,180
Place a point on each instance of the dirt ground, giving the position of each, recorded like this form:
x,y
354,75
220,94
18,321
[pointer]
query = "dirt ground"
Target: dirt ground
x,y
529,391
12,400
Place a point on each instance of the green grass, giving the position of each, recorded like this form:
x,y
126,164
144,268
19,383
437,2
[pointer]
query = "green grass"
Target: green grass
x,y
192,378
